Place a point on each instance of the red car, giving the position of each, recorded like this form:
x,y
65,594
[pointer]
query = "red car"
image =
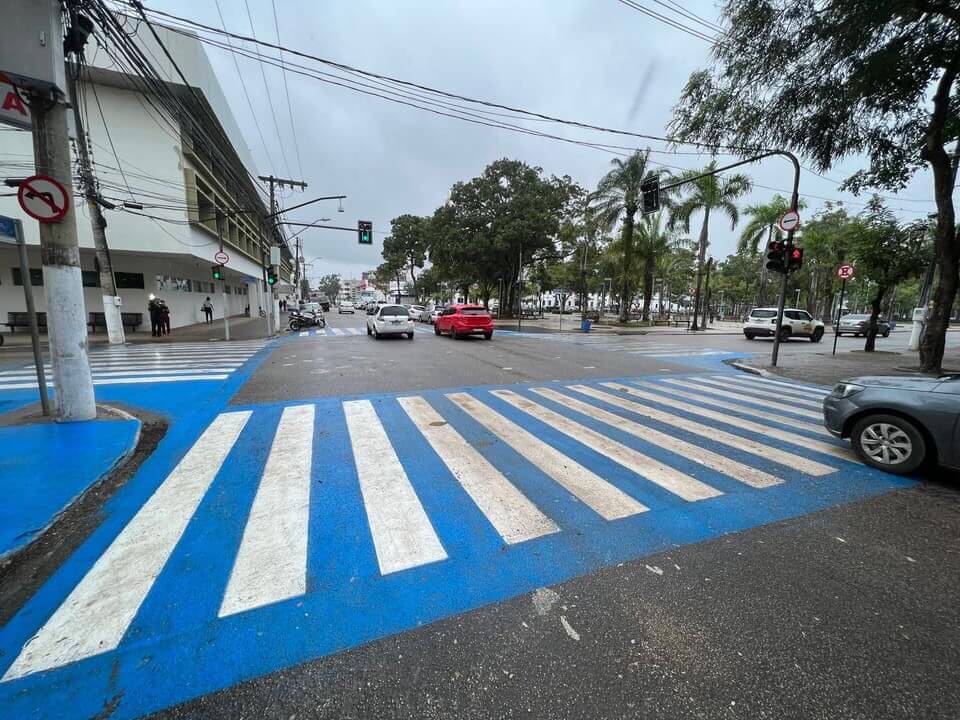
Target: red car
x,y
462,320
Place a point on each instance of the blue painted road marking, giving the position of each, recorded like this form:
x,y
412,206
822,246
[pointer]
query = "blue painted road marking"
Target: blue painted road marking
x,y
174,645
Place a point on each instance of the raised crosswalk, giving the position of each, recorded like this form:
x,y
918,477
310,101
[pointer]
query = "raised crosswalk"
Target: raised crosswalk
x,y
148,364
446,480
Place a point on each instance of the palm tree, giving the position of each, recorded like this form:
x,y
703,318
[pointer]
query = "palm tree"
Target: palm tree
x,y
653,242
618,198
763,223
707,194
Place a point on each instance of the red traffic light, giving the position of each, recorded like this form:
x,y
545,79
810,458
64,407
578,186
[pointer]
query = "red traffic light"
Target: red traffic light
x,y
796,254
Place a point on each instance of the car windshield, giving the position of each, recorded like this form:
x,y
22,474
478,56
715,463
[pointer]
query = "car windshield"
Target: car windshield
x,y
393,310
763,313
474,311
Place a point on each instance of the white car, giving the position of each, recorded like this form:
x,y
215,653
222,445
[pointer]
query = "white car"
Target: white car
x,y
415,311
762,322
434,314
346,307
390,320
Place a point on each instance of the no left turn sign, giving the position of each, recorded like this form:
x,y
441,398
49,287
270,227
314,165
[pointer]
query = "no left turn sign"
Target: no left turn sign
x,y
790,220
43,199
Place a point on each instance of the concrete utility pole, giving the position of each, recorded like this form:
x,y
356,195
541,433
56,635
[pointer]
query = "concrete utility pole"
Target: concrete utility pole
x,y
274,182
62,279
108,286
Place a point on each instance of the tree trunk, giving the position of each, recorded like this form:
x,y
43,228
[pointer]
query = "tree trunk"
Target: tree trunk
x,y
701,257
648,269
871,341
625,295
946,242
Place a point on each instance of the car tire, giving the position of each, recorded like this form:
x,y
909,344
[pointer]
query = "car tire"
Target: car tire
x,y
886,334
488,336
368,330
436,329
817,335
901,435
784,334
376,335
749,336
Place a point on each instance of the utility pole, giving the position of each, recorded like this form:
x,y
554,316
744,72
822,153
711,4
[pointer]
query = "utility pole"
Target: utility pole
x,y
223,280
706,297
275,182
60,258
98,224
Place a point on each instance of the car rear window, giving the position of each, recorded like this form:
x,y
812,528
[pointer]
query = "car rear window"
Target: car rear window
x,y
393,310
763,313
474,311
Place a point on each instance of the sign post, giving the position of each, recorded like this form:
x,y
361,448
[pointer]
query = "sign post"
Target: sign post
x,y
12,230
844,272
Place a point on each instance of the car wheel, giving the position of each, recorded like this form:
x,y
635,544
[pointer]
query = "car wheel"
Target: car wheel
x,y
889,443
368,330
376,335
784,334
436,329
488,336
817,335
886,334
749,336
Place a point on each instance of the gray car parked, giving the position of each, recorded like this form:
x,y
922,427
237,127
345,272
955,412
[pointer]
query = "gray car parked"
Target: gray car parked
x,y
898,424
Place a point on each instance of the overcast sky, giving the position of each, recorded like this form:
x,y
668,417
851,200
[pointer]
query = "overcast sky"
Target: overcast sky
x,y
596,61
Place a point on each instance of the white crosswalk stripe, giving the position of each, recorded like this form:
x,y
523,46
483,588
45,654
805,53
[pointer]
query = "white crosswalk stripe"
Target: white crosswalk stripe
x,y
763,392
788,387
147,364
715,390
482,444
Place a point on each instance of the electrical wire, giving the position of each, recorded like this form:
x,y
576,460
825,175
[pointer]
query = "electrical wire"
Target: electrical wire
x,y
106,129
286,91
693,32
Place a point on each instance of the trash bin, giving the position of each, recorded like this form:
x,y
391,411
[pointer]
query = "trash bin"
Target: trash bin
x,y
586,325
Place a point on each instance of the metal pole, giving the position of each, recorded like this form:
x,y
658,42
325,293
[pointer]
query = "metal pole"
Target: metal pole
x,y
34,330
520,289
794,202
836,324
223,284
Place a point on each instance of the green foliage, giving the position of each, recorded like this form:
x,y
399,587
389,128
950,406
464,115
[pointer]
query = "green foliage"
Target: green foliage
x,y
406,246
329,285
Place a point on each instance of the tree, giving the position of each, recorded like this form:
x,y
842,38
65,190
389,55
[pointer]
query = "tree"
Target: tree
x,y
617,199
874,77
761,229
329,285
885,254
406,246
653,241
706,194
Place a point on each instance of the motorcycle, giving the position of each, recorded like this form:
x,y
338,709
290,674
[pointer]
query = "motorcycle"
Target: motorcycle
x,y
300,320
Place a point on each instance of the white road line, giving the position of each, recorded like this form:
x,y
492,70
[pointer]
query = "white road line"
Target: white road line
x,y
702,385
668,478
707,395
761,383
271,564
610,502
715,461
125,373
402,534
721,436
304,333
764,393
354,331
686,354
337,331
97,613
124,381
759,430
513,516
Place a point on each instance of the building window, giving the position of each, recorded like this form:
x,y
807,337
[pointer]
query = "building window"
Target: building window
x,y
165,283
128,281
91,278
36,277
226,289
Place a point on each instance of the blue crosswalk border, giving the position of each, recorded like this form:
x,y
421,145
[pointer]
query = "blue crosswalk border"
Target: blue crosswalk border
x,y
287,532
148,364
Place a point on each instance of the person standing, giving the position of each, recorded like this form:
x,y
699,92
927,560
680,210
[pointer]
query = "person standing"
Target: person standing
x,y
164,318
153,307
208,310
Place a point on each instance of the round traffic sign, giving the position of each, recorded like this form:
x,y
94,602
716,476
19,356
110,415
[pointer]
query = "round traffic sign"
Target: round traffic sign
x,y
790,220
221,258
43,199
845,272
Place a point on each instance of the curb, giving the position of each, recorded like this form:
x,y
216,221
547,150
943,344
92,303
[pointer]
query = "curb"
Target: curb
x,y
749,369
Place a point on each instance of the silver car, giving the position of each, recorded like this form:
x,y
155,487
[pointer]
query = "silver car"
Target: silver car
x,y
898,423
390,320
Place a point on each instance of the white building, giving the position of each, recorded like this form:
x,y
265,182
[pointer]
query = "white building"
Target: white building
x,y
168,168
349,289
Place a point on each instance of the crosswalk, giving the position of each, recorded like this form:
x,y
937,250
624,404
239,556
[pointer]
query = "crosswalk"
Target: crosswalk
x,y
446,478
646,346
335,332
149,364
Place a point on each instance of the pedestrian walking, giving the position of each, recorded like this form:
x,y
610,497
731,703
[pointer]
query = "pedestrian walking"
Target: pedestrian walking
x,y
208,310
164,318
153,307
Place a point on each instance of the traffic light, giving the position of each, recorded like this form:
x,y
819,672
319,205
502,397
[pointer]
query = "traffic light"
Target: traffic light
x,y
650,192
794,259
775,259
272,277
217,272
365,232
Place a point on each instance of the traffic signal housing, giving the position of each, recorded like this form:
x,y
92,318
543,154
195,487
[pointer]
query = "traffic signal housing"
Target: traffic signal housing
x,y
217,272
650,194
794,259
364,232
272,277
775,257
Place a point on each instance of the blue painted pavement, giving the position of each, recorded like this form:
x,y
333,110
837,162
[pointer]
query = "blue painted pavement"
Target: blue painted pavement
x,y
173,641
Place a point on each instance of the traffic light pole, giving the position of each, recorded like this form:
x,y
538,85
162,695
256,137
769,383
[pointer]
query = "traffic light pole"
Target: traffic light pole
x,y
836,325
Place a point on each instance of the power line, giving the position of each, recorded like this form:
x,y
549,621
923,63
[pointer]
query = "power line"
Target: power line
x,y
668,21
286,92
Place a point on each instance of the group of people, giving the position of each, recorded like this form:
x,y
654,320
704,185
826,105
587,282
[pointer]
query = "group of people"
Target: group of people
x,y
159,317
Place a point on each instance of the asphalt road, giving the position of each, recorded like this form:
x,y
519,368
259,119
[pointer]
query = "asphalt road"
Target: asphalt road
x,y
849,612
